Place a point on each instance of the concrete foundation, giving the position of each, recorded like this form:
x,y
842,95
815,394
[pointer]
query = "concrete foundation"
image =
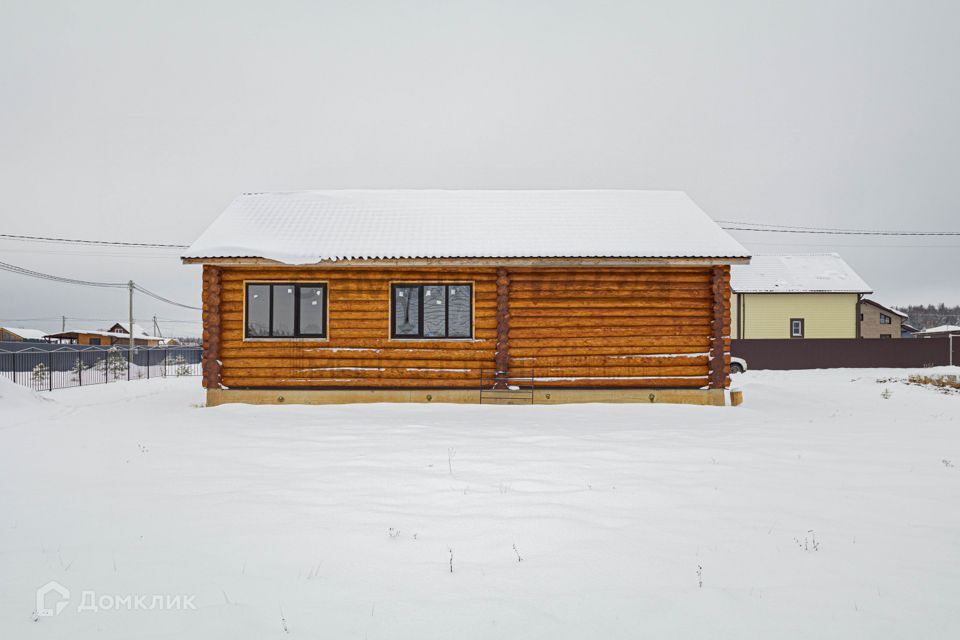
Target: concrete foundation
x,y
215,397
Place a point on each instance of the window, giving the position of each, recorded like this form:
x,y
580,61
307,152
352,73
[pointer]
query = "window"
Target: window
x,y
291,310
885,319
796,327
886,335
431,311
95,342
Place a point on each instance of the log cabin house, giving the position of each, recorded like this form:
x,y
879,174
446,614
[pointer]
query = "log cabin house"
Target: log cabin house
x,y
465,296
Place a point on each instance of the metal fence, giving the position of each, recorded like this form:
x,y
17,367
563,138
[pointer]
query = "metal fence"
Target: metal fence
x,y
829,353
46,369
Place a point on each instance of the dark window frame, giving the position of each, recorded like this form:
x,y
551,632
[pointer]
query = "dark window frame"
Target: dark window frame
x,y
420,311
803,328
885,319
296,310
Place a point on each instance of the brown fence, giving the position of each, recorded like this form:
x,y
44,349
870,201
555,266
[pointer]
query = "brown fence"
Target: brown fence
x,y
839,353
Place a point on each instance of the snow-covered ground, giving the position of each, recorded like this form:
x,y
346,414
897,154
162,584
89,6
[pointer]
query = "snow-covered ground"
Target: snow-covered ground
x,y
824,507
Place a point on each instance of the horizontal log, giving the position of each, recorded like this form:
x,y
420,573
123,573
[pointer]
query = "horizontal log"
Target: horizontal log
x,y
648,318
610,350
649,383
537,362
325,373
599,305
664,291
408,383
334,342
405,361
381,383
256,350
314,370
572,344
636,277
573,333
702,310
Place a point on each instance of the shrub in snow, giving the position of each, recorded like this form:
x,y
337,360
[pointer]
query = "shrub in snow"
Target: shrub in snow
x,y
40,374
76,371
809,541
180,366
116,362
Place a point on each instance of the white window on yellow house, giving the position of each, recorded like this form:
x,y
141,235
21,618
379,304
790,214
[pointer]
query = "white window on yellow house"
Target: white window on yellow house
x,y
796,327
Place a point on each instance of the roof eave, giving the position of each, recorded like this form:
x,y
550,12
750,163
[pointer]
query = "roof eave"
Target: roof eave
x,y
864,293
481,262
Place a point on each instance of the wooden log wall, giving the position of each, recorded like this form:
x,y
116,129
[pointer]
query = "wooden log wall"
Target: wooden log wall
x,y
502,356
641,327
629,327
359,352
212,291
720,329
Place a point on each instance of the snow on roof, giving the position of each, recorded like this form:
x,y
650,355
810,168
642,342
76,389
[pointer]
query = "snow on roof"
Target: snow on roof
x,y
885,307
99,332
26,334
944,328
805,273
304,227
138,331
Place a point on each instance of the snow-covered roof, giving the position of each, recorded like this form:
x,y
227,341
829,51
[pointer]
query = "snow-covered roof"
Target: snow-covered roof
x,y
26,334
138,331
944,328
304,227
804,273
108,334
884,307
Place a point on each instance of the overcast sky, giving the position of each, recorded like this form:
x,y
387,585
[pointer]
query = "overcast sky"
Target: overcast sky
x,y
140,121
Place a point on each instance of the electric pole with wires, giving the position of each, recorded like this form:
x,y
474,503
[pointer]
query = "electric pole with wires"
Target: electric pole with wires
x,y
130,329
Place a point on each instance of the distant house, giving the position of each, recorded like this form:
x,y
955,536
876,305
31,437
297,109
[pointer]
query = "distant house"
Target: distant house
x,y
17,334
138,331
908,330
116,335
796,296
879,321
943,331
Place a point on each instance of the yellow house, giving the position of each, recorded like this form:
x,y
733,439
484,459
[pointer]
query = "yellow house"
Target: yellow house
x,y
796,296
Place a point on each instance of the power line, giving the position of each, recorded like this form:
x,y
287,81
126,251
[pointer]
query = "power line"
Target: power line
x,y
89,283
108,243
162,299
12,268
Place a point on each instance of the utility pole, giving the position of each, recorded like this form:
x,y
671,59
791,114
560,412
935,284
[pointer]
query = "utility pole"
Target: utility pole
x,y
63,324
130,326
156,327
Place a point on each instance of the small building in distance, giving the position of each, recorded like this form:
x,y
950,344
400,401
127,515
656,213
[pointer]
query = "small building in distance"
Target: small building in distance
x,y
907,330
97,337
943,331
18,334
796,296
880,321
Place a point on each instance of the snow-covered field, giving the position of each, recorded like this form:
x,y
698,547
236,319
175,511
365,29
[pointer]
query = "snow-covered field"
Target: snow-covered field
x,y
824,507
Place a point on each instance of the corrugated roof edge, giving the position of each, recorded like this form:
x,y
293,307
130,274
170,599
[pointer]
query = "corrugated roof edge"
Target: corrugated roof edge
x,y
732,259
